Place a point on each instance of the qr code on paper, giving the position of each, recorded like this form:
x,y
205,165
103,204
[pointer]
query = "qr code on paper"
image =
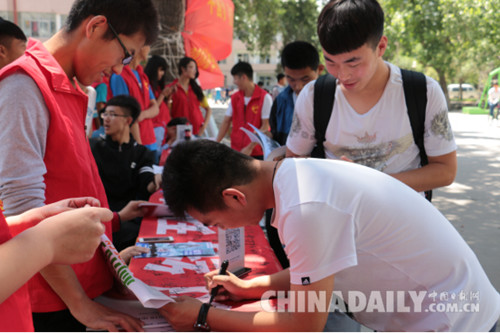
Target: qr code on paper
x,y
233,241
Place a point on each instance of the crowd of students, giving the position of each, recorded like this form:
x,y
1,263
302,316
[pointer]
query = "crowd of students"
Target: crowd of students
x,y
343,225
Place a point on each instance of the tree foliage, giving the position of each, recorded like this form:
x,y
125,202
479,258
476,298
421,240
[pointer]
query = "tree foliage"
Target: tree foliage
x,y
259,23
298,21
455,38
256,22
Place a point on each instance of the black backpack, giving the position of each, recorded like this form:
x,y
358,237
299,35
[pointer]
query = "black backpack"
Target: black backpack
x,y
415,90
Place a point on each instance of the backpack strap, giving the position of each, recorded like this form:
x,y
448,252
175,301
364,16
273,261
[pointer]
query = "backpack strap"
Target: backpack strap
x,y
324,96
415,90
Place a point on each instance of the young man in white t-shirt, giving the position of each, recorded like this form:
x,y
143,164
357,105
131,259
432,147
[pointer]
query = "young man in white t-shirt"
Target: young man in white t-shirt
x,y
348,230
369,124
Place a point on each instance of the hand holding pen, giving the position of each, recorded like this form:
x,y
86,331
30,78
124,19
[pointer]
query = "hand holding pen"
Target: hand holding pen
x,y
201,324
215,290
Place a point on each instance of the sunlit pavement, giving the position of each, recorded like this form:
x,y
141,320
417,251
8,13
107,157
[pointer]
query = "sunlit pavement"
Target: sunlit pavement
x,y
472,202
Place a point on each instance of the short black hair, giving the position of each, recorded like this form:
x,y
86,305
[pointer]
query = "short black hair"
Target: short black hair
x,y
9,30
346,25
130,105
177,121
243,68
300,55
196,172
126,16
280,76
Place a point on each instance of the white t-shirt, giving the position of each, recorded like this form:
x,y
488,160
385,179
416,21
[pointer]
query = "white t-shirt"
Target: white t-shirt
x,y
493,95
381,138
92,94
266,106
378,235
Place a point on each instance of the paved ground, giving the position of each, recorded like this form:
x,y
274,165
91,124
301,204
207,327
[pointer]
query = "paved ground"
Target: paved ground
x,y
471,203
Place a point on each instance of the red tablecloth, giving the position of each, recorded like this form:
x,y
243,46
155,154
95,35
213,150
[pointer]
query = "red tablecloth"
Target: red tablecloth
x,y
258,256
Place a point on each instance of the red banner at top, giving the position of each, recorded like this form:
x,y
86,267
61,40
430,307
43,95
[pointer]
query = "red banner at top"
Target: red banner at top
x,y
208,36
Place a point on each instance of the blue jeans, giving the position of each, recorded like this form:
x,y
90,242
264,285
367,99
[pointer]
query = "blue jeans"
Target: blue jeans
x,y
492,108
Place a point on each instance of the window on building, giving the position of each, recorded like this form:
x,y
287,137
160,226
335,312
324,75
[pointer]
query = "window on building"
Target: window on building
x,y
38,25
266,80
264,59
243,57
9,16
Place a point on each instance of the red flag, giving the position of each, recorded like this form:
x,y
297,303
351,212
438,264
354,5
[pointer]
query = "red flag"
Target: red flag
x,y
208,36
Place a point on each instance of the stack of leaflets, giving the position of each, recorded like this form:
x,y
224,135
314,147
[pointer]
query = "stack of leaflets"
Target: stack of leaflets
x,y
177,249
271,148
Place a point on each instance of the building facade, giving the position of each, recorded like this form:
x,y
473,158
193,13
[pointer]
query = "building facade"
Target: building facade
x,y
39,19
264,66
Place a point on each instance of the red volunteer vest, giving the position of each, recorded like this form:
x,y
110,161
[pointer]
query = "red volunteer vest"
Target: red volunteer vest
x,y
71,168
162,119
15,311
142,96
242,115
187,105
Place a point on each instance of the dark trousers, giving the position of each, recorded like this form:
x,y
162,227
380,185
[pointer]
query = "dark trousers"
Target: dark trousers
x,y
58,321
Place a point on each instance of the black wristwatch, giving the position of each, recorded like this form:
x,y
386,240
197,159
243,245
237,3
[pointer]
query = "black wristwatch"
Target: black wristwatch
x,y
201,324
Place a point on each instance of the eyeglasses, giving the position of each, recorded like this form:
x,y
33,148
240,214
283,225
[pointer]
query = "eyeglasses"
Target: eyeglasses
x,y
112,115
128,57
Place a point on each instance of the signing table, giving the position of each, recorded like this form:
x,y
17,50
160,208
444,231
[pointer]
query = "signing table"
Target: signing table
x,y
186,278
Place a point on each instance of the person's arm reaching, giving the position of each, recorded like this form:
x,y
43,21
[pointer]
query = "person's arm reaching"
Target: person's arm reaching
x,y
208,114
63,281
224,127
152,111
66,238
62,278
32,217
440,171
136,132
183,314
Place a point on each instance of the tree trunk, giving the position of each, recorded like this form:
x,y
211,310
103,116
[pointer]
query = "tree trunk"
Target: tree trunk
x,y
442,83
170,44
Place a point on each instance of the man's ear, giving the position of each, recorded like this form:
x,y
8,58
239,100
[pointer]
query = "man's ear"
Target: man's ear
x,y
320,69
3,51
234,198
96,24
382,46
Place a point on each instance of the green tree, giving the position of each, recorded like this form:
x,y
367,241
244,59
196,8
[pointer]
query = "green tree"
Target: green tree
x,y
256,22
456,38
259,23
299,21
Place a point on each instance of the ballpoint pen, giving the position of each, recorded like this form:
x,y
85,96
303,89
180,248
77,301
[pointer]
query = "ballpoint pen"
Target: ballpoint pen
x,y
215,290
